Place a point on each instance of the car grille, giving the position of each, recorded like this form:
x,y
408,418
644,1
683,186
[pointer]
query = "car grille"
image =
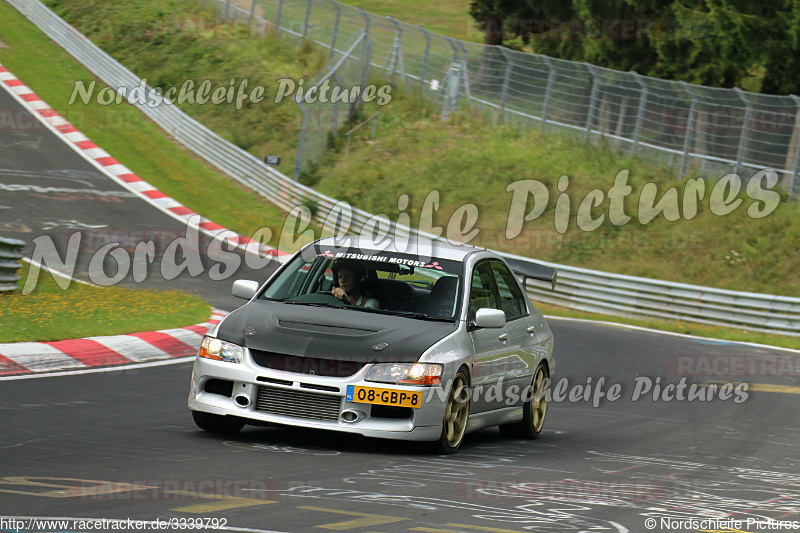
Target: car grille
x,y
298,404
313,366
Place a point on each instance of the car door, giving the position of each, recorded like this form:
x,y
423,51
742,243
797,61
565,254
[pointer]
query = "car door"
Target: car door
x,y
524,348
490,345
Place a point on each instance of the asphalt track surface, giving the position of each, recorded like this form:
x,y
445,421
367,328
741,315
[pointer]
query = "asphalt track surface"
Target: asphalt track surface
x,y
122,445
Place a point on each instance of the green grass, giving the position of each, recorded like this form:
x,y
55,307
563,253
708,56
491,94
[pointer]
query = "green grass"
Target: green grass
x,y
128,135
469,161
447,17
475,162
676,326
50,314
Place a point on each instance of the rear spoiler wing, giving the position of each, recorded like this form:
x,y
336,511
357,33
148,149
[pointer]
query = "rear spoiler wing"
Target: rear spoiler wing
x,y
533,270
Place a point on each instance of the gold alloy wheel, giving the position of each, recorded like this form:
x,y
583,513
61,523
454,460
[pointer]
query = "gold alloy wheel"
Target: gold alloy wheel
x,y
539,399
456,412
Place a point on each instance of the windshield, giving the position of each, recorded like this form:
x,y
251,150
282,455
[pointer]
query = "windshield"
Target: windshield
x,y
390,283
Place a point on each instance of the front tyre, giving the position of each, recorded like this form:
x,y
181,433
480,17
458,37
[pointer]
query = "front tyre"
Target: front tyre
x,y
217,423
534,410
456,413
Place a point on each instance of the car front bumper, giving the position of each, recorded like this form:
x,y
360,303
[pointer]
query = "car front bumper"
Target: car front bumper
x,y
286,398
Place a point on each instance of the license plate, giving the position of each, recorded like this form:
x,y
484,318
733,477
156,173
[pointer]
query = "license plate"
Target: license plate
x,y
378,396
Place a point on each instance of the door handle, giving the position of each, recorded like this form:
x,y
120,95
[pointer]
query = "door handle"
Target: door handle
x,y
503,336
531,329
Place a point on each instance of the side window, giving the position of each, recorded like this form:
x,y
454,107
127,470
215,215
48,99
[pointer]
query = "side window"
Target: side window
x,y
481,293
512,301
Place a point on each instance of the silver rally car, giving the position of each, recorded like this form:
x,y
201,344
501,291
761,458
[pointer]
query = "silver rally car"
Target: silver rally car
x,y
449,344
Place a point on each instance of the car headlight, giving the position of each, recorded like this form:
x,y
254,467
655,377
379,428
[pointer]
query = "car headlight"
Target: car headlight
x,y
406,373
212,348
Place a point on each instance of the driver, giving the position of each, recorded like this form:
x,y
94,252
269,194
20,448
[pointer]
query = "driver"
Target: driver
x,y
350,279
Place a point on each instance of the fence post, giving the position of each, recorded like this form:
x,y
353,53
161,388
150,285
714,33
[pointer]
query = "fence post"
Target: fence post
x,y
227,7
451,93
367,59
298,160
506,78
794,187
551,76
744,134
453,87
397,51
252,14
308,15
465,70
687,141
335,118
592,101
424,69
366,19
637,132
278,17
335,27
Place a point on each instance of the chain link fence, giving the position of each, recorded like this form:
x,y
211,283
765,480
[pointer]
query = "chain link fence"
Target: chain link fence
x,y
335,99
689,127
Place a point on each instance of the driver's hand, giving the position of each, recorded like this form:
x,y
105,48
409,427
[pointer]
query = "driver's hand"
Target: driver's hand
x,y
338,293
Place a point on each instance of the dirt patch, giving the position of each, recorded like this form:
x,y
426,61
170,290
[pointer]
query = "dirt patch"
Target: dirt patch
x,y
247,5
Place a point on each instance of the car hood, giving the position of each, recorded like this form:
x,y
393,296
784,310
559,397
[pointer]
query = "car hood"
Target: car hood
x,y
330,333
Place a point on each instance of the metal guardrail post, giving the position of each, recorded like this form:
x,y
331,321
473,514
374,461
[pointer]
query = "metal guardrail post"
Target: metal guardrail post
x,y
451,81
465,69
744,134
592,101
689,137
335,27
252,14
425,56
308,15
10,254
397,52
794,187
637,132
452,91
551,78
506,79
367,57
298,160
278,17
366,19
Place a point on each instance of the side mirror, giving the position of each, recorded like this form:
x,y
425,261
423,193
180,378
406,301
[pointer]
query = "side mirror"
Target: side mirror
x,y
244,288
490,318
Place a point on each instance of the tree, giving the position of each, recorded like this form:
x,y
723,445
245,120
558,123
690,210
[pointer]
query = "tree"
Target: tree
x,y
721,43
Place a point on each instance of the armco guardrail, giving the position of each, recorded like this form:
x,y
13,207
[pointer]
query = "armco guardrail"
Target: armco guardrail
x,y
10,254
576,288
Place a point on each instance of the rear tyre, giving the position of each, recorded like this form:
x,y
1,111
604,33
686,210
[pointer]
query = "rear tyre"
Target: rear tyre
x,y
456,413
534,410
217,423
